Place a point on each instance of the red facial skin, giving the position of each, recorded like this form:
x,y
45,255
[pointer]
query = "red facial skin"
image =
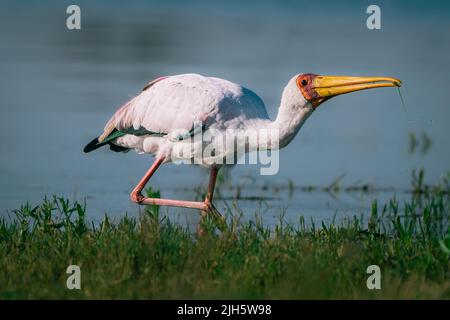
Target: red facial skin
x,y
305,84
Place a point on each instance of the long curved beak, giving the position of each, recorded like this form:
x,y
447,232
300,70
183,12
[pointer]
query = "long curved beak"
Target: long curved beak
x,y
330,86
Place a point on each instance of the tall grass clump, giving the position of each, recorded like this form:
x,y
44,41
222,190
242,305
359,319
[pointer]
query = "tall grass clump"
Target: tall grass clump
x,y
149,257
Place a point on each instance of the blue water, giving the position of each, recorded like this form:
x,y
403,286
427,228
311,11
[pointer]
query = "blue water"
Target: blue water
x,y
59,87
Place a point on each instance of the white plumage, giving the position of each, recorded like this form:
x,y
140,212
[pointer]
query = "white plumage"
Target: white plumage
x,y
170,104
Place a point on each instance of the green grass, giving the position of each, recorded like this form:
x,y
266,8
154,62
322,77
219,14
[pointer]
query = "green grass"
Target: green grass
x,y
150,257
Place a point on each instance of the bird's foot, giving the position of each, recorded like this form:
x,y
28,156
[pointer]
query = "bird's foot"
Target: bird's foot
x,y
214,211
137,197
210,209
211,213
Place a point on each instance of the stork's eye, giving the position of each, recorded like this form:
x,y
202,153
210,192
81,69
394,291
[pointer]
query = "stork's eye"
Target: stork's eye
x,y
304,82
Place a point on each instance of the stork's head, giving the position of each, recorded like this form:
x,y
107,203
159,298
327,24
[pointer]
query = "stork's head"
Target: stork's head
x,y
317,89
306,91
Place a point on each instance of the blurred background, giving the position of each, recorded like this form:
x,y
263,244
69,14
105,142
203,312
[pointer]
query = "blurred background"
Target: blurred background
x,y
59,87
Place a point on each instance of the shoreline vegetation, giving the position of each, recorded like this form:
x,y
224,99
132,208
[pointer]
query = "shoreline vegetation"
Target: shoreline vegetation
x,y
149,257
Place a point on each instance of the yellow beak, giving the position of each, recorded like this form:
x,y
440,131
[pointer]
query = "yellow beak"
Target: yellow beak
x,y
329,86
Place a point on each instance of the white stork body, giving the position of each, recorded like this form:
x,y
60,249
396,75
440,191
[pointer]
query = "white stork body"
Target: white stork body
x,y
164,115
170,105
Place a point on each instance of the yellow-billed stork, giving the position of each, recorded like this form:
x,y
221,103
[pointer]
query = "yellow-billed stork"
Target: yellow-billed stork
x,y
152,121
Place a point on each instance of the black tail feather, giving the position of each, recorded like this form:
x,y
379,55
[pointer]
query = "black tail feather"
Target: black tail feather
x,y
91,146
95,144
116,148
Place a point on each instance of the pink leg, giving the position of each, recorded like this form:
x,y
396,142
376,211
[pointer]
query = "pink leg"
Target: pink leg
x,y
211,185
137,197
208,200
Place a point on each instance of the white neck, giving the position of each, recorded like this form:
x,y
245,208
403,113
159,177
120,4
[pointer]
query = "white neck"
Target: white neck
x,y
293,111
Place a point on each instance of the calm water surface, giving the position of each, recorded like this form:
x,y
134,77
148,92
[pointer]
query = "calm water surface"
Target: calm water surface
x,y
59,87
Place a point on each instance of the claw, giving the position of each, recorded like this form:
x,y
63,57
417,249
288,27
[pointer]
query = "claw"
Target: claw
x,y
212,209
